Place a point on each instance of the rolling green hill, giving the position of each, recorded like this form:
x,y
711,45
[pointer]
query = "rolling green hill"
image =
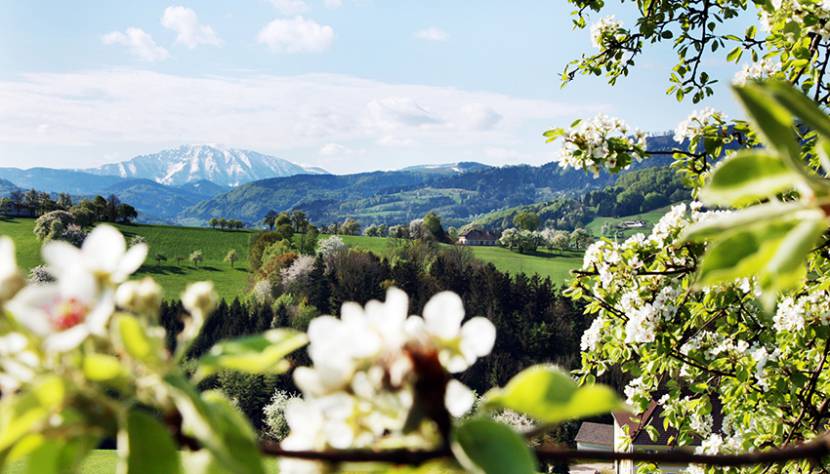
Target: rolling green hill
x,y
650,218
556,265
170,241
175,242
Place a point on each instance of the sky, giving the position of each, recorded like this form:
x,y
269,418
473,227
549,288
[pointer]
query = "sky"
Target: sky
x,y
346,85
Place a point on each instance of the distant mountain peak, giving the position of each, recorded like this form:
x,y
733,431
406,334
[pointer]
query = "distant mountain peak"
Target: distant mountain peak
x,y
448,168
217,163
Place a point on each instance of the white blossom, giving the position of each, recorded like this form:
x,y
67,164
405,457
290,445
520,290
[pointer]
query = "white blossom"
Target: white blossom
x,y
762,69
592,335
18,363
607,28
694,125
103,254
11,280
588,144
458,346
65,313
139,296
199,299
789,315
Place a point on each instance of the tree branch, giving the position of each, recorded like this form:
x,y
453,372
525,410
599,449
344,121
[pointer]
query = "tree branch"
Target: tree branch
x,y
815,449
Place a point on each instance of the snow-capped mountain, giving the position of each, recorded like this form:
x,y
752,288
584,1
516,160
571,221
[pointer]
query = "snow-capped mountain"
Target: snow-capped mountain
x,y
190,163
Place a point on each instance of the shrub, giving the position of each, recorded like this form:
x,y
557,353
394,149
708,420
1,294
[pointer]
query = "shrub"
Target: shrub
x,y
275,424
50,225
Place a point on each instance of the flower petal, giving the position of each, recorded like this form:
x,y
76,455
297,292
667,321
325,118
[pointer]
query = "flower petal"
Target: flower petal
x,y
104,248
100,315
478,335
131,262
61,257
458,398
443,314
397,305
28,305
66,340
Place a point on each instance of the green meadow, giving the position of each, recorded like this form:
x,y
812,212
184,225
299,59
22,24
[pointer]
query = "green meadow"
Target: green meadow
x,y
650,218
556,265
176,244
173,243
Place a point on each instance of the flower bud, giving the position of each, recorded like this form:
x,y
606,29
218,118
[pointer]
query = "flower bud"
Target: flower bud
x,y
139,296
11,280
200,297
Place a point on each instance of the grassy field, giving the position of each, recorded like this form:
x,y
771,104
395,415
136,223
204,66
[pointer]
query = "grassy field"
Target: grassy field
x,y
172,242
175,242
104,462
650,218
555,265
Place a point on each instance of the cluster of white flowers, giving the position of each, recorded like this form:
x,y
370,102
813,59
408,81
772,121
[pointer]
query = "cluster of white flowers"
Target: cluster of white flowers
x,y
607,29
701,423
694,125
602,141
592,335
762,357
793,313
789,316
79,304
638,393
763,69
643,317
365,367
18,362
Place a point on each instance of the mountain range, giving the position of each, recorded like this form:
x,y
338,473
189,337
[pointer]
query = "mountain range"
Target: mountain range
x,y
190,184
215,163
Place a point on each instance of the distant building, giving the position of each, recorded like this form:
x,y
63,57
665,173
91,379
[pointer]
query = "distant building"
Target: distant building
x,y
478,237
628,434
595,437
631,224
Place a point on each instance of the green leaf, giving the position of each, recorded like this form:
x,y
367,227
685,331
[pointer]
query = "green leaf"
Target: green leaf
x,y
484,446
743,253
553,134
735,54
23,412
260,354
774,251
748,176
800,105
149,447
45,458
549,394
102,367
136,342
773,122
220,428
718,225
202,462
787,268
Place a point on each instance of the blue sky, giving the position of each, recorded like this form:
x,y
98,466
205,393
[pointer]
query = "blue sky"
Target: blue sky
x,y
348,85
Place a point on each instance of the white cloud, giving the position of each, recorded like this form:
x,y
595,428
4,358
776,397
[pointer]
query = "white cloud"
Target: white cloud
x,y
433,33
394,112
297,117
333,3
187,27
480,116
290,7
139,43
395,142
336,149
296,35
